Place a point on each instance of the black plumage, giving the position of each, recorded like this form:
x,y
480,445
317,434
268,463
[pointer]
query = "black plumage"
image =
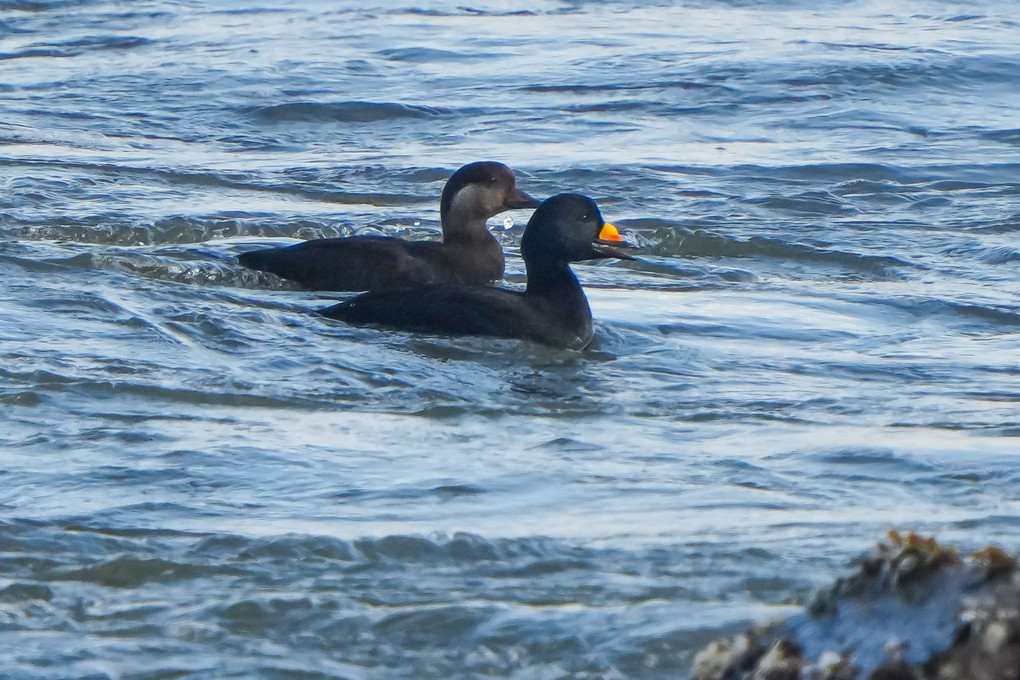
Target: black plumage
x,y
468,253
552,309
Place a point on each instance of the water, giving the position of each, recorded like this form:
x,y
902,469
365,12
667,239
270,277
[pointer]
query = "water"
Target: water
x,y
201,479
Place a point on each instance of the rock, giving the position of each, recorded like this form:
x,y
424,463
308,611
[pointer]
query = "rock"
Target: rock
x,y
913,610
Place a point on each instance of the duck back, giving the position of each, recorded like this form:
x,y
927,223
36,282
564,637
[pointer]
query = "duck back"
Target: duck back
x,y
378,263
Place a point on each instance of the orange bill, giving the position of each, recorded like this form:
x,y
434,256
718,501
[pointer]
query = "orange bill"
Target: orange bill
x,y
609,233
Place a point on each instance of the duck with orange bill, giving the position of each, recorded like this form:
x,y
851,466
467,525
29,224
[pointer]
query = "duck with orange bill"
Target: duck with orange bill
x,y
552,309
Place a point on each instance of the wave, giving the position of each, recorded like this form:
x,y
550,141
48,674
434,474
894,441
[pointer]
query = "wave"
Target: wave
x,y
123,557
934,176
994,314
672,240
41,5
988,254
313,183
812,202
73,48
341,112
938,70
174,230
462,11
103,42
106,387
1010,136
425,55
578,88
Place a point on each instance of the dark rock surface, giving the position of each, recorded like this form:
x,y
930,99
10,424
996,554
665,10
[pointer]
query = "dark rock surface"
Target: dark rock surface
x,y
913,610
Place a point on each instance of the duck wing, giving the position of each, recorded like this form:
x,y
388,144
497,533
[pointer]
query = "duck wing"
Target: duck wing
x,y
356,263
446,310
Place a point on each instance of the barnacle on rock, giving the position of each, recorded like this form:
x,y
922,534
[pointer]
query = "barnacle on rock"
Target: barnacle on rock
x,y
783,661
718,656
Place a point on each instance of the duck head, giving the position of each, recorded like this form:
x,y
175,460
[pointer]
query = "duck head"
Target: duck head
x,y
479,191
570,228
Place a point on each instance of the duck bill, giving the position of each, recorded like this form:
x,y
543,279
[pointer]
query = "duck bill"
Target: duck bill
x,y
609,234
610,243
519,200
603,251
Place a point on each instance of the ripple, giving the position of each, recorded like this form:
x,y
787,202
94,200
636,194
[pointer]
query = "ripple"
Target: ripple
x,y
1011,136
128,572
809,202
341,112
424,55
678,241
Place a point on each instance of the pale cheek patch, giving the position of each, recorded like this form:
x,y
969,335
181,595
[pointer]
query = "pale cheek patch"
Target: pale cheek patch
x,y
469,200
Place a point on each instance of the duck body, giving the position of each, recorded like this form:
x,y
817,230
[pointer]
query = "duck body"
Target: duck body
x,y
558,320
380,262
468,253
552,310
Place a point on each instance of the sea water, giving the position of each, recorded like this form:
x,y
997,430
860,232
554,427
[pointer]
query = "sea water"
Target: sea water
x,y
819,340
